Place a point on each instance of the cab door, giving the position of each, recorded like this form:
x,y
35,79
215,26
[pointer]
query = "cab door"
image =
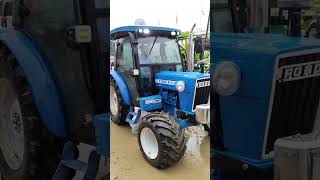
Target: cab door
x,y
125,63
95,13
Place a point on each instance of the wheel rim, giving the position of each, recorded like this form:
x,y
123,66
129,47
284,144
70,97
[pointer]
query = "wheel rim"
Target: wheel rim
x,y
149,143
11,126
113,101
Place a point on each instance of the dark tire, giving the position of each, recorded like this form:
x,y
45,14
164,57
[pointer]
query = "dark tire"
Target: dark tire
x,y
207,128
170,138
120,115
40,149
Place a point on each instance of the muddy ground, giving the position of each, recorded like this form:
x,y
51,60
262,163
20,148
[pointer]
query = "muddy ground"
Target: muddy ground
x,y
127,162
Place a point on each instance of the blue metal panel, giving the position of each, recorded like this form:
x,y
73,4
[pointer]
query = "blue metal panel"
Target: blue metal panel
x,y
102,125
42,85
262,164
150,103
244,114
121,83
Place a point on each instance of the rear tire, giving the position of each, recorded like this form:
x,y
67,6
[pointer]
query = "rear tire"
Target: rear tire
x,y
39,149
161,140
118,109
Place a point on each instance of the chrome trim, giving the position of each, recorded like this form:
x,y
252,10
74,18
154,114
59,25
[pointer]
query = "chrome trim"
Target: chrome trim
x,y
203,113
194,92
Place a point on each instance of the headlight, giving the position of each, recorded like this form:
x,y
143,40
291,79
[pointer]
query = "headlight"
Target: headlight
x,y
226,78
180,86
146,31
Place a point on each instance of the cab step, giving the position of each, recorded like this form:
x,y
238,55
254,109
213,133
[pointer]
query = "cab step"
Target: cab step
x,y
69,164
133,116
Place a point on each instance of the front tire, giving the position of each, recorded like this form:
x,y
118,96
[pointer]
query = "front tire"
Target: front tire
x,y
161,140
27,150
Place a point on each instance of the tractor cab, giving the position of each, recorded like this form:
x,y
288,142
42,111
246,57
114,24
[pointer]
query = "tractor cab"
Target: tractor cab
x,y
142,52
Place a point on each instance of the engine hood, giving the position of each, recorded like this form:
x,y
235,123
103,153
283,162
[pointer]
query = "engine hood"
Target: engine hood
x,y
255,54
193,81
169,79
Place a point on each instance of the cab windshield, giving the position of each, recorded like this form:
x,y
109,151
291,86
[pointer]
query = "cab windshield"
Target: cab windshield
x,y
158,50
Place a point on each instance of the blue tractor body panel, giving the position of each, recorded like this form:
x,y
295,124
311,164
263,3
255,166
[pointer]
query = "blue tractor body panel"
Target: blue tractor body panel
x,y
244,114
168,80
121,83
42,84
102,126
150,103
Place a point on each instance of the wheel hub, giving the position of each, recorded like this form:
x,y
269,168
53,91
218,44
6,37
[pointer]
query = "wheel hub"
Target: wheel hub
x,y
113,101
11,126
149,143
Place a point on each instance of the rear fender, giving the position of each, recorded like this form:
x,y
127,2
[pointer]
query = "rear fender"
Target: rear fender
x,y
122,87
43,87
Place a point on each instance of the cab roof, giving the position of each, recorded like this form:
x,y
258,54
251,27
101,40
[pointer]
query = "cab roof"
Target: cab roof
x,y
117,32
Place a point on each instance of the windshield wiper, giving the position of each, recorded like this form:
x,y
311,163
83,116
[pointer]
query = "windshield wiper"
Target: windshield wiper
x,y
154,42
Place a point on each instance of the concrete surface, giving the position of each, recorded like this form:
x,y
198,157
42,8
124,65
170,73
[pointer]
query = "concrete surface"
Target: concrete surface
x,y
127,162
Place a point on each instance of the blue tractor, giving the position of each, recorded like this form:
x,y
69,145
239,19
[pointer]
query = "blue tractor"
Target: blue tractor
x,y
150,91
53,87
265,102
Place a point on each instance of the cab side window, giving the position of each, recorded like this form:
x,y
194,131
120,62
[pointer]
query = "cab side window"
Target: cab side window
x,y
126,58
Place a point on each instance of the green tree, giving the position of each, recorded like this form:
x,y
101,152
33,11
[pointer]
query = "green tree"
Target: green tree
x,y
316,7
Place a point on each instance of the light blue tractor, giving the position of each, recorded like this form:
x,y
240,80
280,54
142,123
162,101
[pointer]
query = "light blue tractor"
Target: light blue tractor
x,y
53,88
150,91
266,102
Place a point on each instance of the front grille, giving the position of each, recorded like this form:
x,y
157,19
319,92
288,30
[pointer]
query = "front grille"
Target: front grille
x,y
201,93
296,98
